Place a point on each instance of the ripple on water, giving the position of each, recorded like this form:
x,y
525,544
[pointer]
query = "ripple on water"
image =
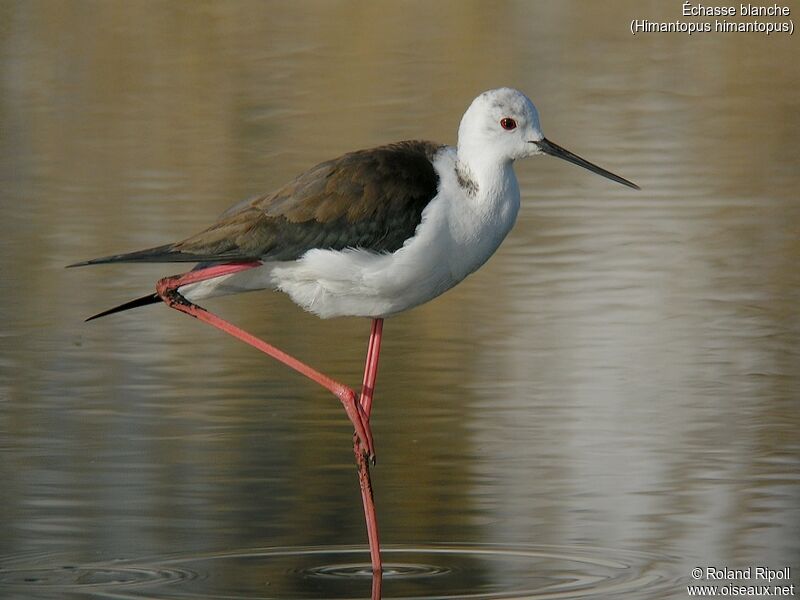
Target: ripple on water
x,y
443,572
43,575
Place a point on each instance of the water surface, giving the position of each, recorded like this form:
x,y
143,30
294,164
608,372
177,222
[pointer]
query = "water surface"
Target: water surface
x,y
611,401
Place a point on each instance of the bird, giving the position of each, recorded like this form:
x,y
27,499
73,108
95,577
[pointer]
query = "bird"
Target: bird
x,y
372,233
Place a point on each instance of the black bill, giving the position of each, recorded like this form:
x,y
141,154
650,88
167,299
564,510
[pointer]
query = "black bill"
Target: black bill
x,y
552,149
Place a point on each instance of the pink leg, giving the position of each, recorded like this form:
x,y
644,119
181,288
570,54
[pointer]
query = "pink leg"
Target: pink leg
x,y
167,289
357,410
364,480
371,366
377,580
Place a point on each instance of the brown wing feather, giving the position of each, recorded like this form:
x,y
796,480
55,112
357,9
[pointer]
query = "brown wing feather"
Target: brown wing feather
x,y
370,199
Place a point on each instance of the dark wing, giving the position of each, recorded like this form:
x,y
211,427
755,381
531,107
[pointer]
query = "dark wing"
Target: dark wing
x,y
371,199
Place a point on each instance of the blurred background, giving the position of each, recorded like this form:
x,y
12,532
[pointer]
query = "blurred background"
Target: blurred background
x,y
621,381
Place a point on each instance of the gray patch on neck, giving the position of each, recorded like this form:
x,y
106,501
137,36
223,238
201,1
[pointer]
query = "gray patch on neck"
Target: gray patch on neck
x,y
465,179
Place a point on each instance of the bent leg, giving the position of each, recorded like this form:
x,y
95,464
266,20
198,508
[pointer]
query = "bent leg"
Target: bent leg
x,y
357,409
167,290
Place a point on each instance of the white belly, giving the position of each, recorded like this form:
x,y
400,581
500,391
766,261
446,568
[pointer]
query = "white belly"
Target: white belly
x,y
357,282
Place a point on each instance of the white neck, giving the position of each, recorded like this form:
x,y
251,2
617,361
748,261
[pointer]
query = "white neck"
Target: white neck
x,y
493,175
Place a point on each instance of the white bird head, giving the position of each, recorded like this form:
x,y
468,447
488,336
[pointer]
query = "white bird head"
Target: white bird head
x,y
501,122
503,125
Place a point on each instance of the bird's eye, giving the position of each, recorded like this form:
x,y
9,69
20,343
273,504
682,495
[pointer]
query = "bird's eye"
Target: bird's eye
x,y
508,123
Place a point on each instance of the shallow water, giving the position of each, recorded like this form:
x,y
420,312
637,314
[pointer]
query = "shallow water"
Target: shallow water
x,y
611,401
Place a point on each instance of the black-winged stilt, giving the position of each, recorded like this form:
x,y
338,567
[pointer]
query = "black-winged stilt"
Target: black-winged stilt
x,y
371,233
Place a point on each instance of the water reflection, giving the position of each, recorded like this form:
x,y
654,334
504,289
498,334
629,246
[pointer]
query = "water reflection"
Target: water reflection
x,y
623,374
448,572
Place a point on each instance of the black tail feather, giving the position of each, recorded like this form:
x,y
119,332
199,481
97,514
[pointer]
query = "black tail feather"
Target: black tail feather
x,y
165,253
143,301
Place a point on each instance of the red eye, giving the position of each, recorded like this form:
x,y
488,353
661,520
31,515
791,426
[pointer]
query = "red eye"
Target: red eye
x,y
508,123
